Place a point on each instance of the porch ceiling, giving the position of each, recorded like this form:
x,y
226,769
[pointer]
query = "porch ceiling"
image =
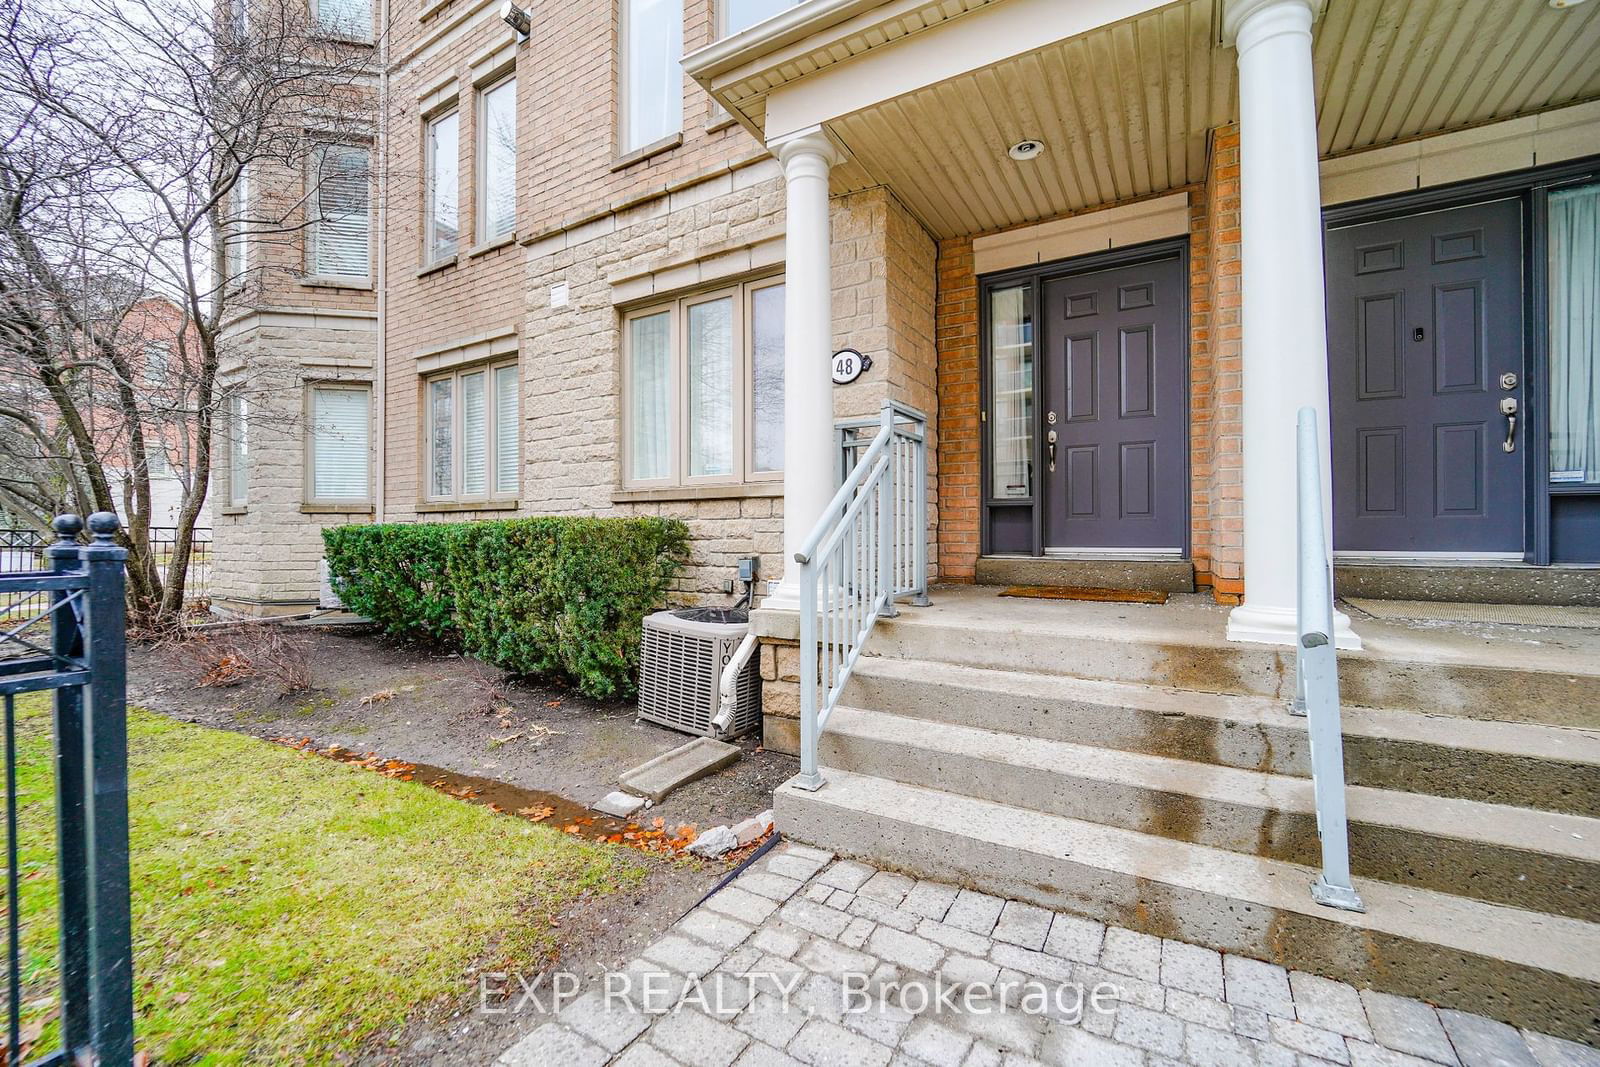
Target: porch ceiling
x,y
1125,108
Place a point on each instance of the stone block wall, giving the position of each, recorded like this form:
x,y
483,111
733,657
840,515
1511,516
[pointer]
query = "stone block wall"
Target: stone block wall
x,y
265,554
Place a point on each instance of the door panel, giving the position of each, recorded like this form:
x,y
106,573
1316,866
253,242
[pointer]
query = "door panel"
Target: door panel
x,y
1424,318
1115,379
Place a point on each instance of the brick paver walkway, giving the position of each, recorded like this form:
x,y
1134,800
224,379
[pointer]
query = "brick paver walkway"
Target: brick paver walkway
x,y
805,959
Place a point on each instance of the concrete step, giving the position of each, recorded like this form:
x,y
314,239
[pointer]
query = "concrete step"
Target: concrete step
x,y
1515,856
1181,646
1522,764
1531,969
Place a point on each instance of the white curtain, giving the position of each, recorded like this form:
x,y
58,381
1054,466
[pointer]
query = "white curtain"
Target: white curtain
x,y
474,436
1575,335
766,386
653,78
505,429
339,427
649,406
341,236
441,436
711,388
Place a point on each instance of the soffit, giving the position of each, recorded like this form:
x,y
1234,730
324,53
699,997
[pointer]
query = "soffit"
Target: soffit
x,y
1125,109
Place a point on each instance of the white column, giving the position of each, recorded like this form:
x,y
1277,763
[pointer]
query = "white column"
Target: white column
x,y
1282,301
808,461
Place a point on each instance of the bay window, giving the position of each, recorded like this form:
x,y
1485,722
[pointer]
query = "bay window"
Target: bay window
x,y
652,73
338,445
341,222
497,161
442,226
471,438
703,388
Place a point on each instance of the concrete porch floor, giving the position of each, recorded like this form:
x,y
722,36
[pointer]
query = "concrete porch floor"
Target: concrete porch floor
x,y
1486,671
1196,619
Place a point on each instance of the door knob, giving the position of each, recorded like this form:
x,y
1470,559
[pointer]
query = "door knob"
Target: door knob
x,y
1050,439
1508,408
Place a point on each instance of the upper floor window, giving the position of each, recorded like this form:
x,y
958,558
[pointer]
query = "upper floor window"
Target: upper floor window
x,y
345,18
341,221
703,385
738,15
444,166
497,170
338,453
157,355
471,449
652,72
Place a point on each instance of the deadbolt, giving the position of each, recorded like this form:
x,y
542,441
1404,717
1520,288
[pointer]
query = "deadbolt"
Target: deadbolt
x,y
1051,418
1508,381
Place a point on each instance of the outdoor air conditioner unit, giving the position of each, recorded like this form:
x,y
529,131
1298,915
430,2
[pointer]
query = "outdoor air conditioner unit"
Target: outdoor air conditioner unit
x,y
680,670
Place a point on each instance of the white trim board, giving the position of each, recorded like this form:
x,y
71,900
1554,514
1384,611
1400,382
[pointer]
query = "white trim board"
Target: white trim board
x,y
1077,235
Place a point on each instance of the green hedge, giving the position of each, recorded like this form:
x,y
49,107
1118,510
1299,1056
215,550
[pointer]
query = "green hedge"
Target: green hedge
x,y
553,595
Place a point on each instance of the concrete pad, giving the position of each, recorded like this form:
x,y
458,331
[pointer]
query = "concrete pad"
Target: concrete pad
x,y
657,777
619,804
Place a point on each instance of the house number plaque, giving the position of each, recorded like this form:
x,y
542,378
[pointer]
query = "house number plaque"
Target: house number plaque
x,y
848,365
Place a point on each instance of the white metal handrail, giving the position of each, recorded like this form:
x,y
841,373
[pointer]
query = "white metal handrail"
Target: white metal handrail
x,y
868,547
1317,675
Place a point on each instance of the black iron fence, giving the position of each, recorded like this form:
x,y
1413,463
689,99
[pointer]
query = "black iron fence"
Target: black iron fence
x,y
75,648
24,550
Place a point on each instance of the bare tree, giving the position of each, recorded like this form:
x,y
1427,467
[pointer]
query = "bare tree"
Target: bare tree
x,y
130,131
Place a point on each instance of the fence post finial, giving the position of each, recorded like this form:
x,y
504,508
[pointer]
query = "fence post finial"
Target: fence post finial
x,y
67,527
104,525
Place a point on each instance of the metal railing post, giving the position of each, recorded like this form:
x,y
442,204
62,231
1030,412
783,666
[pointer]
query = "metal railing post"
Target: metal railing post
x,y
810,777
886,522
1317,675
920,510
106,825
71,752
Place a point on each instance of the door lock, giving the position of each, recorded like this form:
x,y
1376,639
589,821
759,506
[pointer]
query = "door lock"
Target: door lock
x,y
1050,440
1508,408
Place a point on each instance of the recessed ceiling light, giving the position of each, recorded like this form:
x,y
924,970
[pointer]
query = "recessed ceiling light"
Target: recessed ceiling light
x,y
1561,5
1032,148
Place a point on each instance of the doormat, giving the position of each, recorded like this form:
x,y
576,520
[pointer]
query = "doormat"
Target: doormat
x,y
1085,592
1578,618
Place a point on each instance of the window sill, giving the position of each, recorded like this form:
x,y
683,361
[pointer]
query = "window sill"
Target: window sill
x,y
335,37
718,123
336,509
490,246
233,509
328,282
440,507
432,268
667,493
639,155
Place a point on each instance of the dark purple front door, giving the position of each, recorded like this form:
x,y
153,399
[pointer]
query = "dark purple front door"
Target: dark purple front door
x,y
1424,346
1115,383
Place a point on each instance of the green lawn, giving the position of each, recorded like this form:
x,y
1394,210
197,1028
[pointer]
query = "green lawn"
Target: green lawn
x,y
287,907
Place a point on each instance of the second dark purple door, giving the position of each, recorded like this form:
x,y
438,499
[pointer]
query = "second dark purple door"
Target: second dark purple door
x,y
1115,382
1424,348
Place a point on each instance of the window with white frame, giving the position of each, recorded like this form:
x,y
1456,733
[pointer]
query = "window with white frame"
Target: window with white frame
x,y
738,15
338,444
470,448
703,388
350,19
652,73
341,222
442,228
237,427
157,358
236,238
497,160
